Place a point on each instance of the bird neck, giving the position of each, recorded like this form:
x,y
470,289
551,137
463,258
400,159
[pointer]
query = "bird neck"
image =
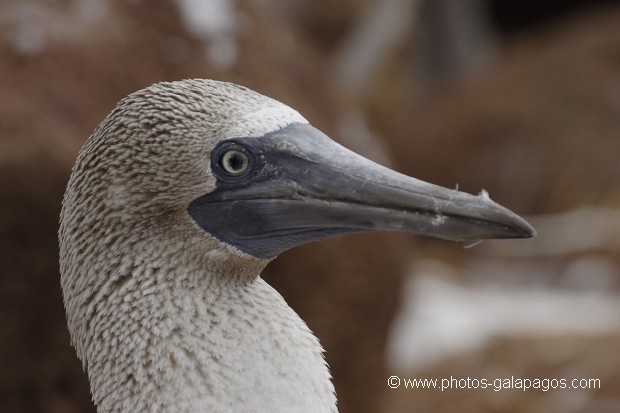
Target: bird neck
x,y
179,339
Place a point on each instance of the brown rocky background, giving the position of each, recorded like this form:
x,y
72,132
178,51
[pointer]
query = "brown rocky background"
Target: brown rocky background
x,y
527,108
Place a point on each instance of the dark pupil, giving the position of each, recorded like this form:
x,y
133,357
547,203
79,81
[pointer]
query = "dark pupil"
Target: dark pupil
x,y
235,162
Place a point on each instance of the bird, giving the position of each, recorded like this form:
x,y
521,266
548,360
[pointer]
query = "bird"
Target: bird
x,y
176,203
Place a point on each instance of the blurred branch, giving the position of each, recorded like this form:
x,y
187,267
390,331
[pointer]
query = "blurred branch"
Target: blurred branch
x,y
380,30
455,37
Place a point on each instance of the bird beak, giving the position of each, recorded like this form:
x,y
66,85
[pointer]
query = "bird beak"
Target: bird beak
x,y
302,187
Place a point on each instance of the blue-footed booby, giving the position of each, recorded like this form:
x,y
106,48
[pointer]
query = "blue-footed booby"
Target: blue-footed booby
x,y
176,203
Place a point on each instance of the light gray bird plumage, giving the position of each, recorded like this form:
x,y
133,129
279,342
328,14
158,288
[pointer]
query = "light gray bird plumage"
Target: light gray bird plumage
x,y
177,202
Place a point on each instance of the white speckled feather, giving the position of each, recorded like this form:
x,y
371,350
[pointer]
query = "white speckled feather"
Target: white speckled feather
x,y
164,317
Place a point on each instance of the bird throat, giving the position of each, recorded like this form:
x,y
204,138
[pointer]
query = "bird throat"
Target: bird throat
x,y
179,347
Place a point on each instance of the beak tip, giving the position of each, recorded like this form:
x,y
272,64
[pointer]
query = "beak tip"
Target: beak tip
x,y
520,228
529,231
517,227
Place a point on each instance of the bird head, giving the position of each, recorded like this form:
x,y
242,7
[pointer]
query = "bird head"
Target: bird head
x,y
244,174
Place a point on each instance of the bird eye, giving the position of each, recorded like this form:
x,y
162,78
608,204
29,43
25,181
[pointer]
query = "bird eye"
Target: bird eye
x,y
234,162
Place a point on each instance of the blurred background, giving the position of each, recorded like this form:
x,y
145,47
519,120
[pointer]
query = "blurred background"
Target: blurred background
x,y
517,97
